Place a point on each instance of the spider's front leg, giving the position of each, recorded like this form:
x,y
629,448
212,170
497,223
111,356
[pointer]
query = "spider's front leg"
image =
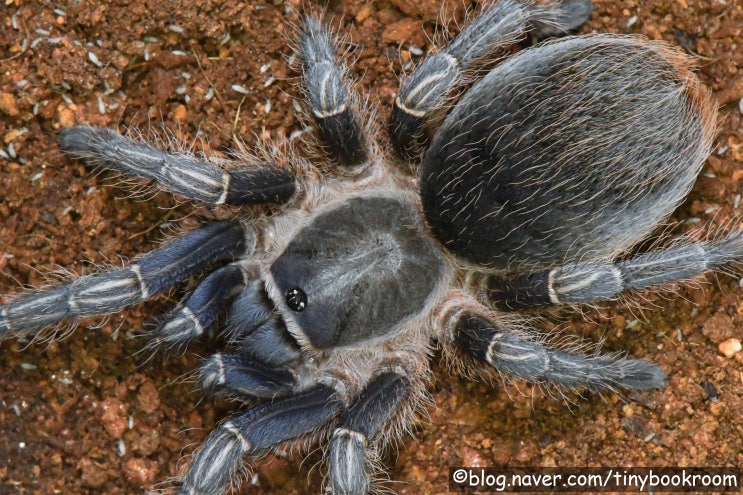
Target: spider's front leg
x,y
349,460
217,463
107,292
426,90
472,331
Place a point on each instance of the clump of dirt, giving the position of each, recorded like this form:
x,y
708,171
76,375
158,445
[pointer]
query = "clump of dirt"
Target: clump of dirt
x,y
90,414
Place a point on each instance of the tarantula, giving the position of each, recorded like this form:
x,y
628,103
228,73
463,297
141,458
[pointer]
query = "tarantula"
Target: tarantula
x,y
526,186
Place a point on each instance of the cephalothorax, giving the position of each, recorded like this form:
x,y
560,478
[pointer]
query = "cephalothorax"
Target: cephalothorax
x,y
529,192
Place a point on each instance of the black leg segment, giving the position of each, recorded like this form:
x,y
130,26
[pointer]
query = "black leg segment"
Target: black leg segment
x,y
240,376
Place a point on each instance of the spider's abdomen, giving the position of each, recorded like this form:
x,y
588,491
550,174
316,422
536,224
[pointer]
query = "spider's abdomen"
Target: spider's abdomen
x,y
575,149
356,271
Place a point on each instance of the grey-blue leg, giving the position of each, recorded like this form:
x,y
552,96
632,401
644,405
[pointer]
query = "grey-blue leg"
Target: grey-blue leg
x,y
480,337
592,282
179,173
349,462
427,89
210,300
107,292
218,462
240,376
329,95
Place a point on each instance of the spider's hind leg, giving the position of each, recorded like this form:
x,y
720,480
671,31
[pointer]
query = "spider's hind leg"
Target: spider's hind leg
x,y
180,173
578,283
474,333
332,102
427,88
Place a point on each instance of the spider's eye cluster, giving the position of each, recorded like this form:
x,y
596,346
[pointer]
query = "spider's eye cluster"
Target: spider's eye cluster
x,y
296,299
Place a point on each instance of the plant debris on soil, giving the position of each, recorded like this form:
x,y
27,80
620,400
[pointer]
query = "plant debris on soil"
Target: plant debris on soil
x,y
89,414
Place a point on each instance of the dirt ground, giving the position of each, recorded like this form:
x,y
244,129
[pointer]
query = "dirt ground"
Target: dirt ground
x,y
87,415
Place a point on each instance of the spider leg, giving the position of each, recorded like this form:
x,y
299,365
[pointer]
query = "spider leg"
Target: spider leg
x,y
477,335
349,458
240,376
107,292
428,87
219,460
201,310
591,282
179,173
331,101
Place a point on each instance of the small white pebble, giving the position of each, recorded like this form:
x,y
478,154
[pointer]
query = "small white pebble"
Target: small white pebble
x,y
631,324
94,59
414,50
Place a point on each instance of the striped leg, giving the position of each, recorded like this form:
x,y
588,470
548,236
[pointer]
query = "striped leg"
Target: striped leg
x,y
476,335
349,460
331,100
426,90
262,427
592,282
240,376
181,174
210,300
107,292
